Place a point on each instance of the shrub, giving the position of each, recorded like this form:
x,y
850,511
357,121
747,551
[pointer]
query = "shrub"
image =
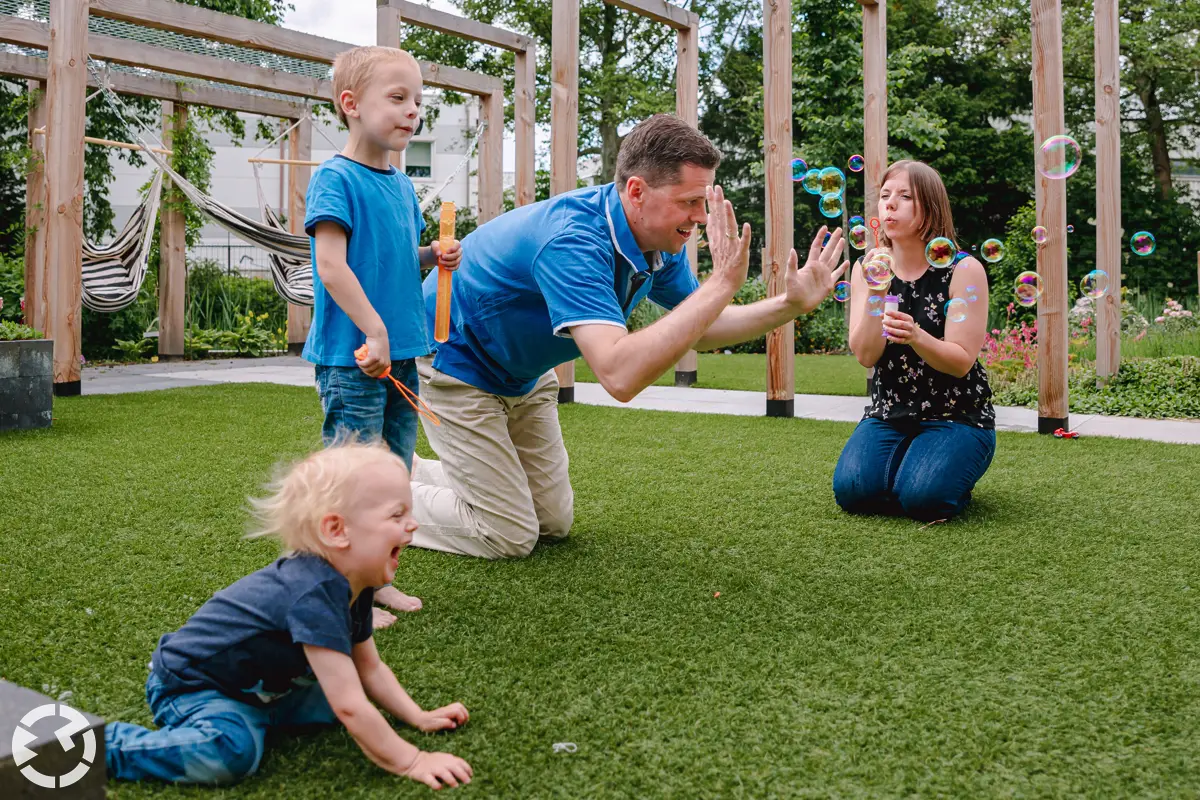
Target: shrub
x,y
1153,387
11,331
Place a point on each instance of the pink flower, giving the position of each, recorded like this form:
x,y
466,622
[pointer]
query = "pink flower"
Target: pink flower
x,y
1160,319
22,302
82,360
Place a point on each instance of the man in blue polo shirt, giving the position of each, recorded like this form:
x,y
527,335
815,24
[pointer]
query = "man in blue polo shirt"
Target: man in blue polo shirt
x,y
544,283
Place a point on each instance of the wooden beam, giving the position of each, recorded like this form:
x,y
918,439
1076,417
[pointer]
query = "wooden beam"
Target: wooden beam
x,y
491,158
172,251
777,140
35,212
875,124
443,22
66,91
193,21
1051,196
299,318
687,88
1108,185
525,124
162,89
660,11
564,128
31,33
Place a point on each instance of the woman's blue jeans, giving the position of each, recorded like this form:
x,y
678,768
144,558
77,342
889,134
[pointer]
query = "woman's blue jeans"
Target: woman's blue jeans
x,y
924,470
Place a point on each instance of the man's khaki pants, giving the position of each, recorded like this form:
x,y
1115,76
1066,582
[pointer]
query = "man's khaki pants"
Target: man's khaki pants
x,y
502,479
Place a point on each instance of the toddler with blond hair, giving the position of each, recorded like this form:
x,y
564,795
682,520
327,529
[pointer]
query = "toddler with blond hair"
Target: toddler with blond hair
x,y
291,645
365,223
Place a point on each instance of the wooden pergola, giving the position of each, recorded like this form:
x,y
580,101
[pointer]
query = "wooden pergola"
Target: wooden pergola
x,y
55,191
564,117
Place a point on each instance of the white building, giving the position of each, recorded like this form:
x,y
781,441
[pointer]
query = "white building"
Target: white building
x,y
431,158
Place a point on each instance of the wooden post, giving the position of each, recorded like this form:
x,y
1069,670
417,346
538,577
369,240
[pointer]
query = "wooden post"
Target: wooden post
x,y
35,212
299,318
387,34
687,87
1048,120
1108,186
564,129
525,120
777,141
172,251
875,122
66,91
491,157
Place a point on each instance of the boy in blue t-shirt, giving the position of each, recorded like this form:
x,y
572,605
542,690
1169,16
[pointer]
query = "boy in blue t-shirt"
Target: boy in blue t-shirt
x,y
365,222
290,645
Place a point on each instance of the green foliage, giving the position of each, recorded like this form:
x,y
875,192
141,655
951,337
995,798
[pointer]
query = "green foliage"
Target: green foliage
x,y
135,349
1158,387
11,331
12,286
217,300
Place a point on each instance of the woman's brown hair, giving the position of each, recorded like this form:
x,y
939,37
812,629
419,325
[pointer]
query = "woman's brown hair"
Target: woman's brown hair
x,y
933,203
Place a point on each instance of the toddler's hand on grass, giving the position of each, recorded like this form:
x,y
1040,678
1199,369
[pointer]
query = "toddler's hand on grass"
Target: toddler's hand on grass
x,y
450,259
374,357
436,770
444,718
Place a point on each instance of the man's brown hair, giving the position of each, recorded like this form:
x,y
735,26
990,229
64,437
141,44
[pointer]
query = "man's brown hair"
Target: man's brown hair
x,y
658,148
933,203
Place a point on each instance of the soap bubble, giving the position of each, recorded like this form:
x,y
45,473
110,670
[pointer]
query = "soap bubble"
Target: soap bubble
x,y
1039,234
858,237
960,255
1059,157
857,220
825,240
993,250
972,294
831,204
1070,229
812,181
833,181
1142,243
856,163
1028,288
798,169
940,252
841,291
875,306
1094,284
877,272
956,310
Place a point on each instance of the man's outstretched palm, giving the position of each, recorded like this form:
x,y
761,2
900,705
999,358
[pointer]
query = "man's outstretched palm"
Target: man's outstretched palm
x,y
807,287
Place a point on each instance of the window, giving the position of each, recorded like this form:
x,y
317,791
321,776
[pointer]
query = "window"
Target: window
x,y
418,160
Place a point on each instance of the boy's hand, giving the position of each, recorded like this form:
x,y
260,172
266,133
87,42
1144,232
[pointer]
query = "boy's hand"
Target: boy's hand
x,y
374,357
444,718
436,770
450,259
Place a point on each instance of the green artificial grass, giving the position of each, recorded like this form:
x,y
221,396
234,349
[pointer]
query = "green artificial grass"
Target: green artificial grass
x,y
1045,645
815,374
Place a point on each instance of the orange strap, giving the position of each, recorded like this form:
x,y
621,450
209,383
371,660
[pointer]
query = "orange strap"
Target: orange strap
x,y
420,406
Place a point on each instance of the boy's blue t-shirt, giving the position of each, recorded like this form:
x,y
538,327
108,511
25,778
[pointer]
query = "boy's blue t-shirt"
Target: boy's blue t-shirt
x,y
383,222
247,641
528,276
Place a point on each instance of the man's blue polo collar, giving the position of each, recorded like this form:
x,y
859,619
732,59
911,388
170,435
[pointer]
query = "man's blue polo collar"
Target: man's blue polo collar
x,y
622,236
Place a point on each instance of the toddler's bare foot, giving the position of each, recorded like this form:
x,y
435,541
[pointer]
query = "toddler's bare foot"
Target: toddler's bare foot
x,y
381,619
397,600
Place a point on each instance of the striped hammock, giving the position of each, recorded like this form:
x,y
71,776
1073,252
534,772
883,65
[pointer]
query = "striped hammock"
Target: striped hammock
x,y
113,274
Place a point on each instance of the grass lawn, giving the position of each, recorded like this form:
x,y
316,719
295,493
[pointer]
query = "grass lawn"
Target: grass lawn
x,y
1047,644
746,372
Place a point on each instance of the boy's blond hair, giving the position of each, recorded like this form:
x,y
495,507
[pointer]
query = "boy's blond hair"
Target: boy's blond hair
x,y
352,70
322,483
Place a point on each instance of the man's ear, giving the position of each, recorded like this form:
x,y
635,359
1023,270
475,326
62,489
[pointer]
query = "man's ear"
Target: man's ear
x,y
332,531
635,190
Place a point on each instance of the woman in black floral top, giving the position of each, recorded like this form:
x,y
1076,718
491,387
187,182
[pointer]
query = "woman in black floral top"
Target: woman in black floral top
x,y
929,433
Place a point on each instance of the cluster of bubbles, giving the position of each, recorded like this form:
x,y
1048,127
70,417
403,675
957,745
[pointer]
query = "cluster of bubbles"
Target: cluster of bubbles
x,y
878,269
829,184
1028,288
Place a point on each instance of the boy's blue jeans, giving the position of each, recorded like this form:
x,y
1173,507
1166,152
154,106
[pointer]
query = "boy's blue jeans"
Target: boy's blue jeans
x,y
924,470
205,737
354,402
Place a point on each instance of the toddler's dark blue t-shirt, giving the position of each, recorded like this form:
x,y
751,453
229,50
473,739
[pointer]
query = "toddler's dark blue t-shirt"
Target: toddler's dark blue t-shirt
x,y
247,641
